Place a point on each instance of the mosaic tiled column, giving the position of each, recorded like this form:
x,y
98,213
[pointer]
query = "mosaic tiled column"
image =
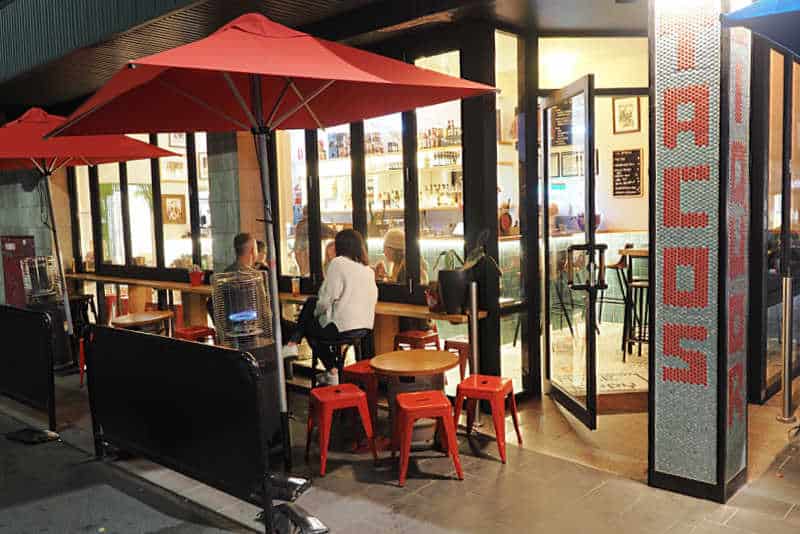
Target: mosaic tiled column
x,y
698,418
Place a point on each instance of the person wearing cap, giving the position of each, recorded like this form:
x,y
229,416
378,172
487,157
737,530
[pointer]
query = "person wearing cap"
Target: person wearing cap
x,y
394,252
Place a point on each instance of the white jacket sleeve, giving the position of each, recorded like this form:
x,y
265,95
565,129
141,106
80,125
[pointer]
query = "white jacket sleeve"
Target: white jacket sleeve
x,y
331,289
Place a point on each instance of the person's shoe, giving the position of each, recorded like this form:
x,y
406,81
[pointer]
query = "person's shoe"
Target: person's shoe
x,y
289,351
331,378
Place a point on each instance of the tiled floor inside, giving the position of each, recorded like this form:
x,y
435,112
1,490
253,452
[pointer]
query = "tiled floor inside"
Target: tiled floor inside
x,y
564,478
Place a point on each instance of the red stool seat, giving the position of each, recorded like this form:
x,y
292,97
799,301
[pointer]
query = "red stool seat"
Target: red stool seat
x,y
423,405
324,401
195,333
463,350
494,389
416,339
361,373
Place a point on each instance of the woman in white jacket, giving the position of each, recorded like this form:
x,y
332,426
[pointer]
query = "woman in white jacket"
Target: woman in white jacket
x,y
346,301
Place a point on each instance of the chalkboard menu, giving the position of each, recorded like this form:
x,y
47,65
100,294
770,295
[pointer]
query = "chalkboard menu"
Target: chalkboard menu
x,y
627,173
561,124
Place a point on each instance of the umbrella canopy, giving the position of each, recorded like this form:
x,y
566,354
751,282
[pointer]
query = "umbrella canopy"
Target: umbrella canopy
x,y
774,20
306,82
22,145
254,74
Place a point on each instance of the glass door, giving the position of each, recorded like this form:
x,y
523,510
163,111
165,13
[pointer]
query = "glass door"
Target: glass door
x,y
574,263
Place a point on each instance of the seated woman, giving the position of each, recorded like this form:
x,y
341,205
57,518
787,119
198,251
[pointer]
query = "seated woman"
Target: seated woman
x,y
346,301
394,252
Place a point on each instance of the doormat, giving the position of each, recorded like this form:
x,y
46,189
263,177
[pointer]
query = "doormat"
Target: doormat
x,y
32,436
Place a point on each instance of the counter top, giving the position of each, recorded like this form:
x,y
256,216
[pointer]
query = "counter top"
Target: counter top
x,y
397,309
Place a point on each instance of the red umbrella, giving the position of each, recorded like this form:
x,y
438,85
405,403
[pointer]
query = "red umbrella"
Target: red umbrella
x,y
22,147
254,74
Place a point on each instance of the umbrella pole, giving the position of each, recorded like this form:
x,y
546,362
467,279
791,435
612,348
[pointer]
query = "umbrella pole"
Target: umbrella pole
x,y
260,133
62,280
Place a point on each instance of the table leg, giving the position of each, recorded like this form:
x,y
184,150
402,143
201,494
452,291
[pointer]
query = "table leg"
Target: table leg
x,y
384,330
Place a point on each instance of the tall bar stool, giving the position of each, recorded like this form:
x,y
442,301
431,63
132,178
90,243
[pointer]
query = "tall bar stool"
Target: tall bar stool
x,y
636,331
462,348
619,269
351,338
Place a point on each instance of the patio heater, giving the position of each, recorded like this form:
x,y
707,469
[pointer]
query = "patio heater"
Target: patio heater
x,y
44,292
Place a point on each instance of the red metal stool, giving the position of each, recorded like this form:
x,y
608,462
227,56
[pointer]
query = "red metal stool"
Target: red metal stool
x,y
462,348
81,360
324,401
361,373
196,333
494,389
423,405
416,339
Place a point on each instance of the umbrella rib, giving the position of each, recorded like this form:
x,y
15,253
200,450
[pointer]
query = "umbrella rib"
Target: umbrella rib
x,y
38,166
239,98
202,103
278,102
305,102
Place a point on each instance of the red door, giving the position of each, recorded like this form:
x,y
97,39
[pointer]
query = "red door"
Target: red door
x,y
15,248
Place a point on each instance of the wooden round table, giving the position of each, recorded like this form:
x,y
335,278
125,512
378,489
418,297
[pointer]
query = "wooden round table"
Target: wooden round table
x,y
414,363
148,321
414,370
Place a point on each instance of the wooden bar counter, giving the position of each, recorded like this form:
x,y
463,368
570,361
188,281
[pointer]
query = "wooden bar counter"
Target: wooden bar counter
x,y
193,298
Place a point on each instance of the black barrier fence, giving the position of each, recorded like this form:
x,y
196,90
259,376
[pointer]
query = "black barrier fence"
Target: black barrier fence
x,y
197,409
26,359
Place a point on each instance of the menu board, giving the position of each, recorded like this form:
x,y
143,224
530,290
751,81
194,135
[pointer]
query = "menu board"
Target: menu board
x,y
628,173
561,124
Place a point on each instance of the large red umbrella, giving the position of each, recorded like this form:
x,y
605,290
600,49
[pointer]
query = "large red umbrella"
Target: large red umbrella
x,y
254,74
22,147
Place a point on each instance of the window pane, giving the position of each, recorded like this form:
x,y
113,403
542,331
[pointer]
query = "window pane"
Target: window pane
x,y
293,202
440,173
335,187
773,228
206,253
111,214
175,202
383,158
615,61
508,197
140,200
85,217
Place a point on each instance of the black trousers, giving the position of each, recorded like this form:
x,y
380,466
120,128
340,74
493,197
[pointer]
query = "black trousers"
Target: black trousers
x,y
319,337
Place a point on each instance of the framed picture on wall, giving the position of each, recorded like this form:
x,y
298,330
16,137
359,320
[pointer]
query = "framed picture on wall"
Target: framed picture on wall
x,y
555,164
177,140
627,114
202,165
571,163
173,209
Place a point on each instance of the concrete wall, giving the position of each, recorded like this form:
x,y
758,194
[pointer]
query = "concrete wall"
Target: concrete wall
x,y
21,214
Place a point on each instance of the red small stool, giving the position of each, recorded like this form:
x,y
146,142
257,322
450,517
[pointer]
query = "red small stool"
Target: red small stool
x,y
361,373
494,389
196,333
422,405
324,401
462,348
81,360
417,339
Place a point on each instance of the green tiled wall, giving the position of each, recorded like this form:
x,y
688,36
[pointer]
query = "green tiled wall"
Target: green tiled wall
x,y
223,169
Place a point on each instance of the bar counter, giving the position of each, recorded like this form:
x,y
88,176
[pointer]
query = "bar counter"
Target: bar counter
x,y
193,298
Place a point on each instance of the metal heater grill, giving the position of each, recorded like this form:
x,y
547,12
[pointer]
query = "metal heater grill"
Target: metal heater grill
x,y
242,313
41,280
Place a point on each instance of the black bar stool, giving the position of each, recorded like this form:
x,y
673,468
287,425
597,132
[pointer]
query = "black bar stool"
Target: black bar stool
x,y
638,317
619,268
359,339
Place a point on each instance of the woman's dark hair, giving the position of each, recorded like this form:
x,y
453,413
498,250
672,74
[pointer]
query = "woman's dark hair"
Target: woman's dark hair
x,y
350,244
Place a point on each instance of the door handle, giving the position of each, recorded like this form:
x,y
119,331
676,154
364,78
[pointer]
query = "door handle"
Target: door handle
x,y
596,272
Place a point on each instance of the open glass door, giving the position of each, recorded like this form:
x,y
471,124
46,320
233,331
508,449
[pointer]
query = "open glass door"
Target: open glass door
x,y
574,263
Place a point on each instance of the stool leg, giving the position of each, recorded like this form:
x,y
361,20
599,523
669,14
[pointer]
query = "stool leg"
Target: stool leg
x,y
371,386
366,422
499,418
406,429
81,360
310,428
395,432
452,445
514,416
463,356
471,406
324,437
459,403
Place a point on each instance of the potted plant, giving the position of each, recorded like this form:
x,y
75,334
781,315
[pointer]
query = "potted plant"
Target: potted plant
x,y
196,275
453,277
